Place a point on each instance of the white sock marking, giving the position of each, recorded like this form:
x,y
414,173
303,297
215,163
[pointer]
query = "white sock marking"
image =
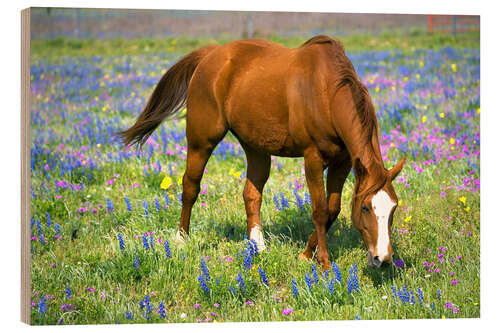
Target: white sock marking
x,y
382,206
179,237
258,237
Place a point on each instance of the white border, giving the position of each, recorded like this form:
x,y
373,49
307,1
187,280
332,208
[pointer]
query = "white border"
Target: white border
x,y
10,158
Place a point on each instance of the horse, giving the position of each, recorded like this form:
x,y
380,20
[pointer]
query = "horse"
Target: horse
x,y
291,102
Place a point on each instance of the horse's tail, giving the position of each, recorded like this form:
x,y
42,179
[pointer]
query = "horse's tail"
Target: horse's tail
x,y
168,97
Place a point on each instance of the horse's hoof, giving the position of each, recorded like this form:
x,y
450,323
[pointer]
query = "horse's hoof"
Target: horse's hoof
x,y
179,238
302,256
326,266
258,237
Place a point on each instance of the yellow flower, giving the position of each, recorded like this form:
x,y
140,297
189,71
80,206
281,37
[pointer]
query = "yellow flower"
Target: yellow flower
x,y
424,119
443,317
467,208
478,110
441,115
179,181
476,303
166,182
400,202
407,219
377,89
417,76
454,67
231,172
452,141
463,200
393,88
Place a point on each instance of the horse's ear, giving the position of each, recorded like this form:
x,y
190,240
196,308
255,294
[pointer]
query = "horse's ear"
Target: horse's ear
x,y
394,172
359,168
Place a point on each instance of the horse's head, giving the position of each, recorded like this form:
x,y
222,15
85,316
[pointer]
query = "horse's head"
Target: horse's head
x,y
373,206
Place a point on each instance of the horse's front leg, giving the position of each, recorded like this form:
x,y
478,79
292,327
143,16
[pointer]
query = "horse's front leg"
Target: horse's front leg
x,y
314,166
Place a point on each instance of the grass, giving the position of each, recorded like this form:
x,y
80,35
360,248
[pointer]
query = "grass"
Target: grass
x,y
78,102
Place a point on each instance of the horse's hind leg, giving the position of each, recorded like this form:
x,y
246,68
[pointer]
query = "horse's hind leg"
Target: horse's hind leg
x,y
204,130
258,166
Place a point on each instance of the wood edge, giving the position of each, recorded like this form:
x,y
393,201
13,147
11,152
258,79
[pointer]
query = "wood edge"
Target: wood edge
x,y
25,168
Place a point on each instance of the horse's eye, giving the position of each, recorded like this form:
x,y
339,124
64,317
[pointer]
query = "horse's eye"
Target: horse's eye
x,y
365,209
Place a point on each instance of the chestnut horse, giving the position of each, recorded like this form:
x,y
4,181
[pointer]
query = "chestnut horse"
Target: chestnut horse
x,y
303,102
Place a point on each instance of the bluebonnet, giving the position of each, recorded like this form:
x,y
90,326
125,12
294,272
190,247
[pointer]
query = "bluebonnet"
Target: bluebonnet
x,y
136,262
276,202
404,295
120,240
145,242
352,281
315,274
326,274
299,202
255,247
109,205
241,282
49,220
161,310
165,195
38,227
438,294
295,291
247,260
336,270
151,242
127,202
42,305
203,284
42,239
263,276
57,228
147,304
232,290
167,249
204,269
68,292
145,205
308,281
394,294
128,314
357,317
331,286
180,197
284,201
157,204
307,197
420,296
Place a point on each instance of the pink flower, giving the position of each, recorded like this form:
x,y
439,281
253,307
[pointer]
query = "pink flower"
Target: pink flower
x,y
455,310
110,182
452,273
454,282
216,305
249,303
58,196
197,305
92,290
287,311
443,194
448,305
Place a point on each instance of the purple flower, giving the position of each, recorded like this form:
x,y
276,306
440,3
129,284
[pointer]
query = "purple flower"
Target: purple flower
x,y
197,305
454,282
249,303
448,305
399,263
287,311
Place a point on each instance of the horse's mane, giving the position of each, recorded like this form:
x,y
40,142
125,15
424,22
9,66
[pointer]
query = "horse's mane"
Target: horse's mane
x,y
348,77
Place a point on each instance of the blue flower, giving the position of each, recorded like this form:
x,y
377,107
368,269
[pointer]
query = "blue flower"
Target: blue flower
x,y
438,294
151,242
307,197
420,296
147,305
336,270
68,292
255,248
357,317
120,240
57,228
167,249
315,274
394,294
49,220
284,201
136,262
247,260
157,204
204,269
203,284
299,202
308,281
145,242
263,276
331,286
161,310
232,290
241,282
295,291
128,314
42,305
145,205
109,205
165,195
276,202
352,281
127,202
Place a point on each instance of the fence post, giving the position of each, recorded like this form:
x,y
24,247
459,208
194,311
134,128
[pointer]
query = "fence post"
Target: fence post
x,y
429,23
455,26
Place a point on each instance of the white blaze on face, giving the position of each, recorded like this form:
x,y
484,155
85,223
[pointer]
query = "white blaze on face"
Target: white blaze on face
x,y
258,237
382,206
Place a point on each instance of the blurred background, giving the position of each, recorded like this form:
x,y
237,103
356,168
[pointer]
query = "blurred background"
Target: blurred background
x,y
128,23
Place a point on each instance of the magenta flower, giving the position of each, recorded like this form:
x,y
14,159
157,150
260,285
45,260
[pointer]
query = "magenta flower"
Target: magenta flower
x,y
216,305
454,282
197,305
399,263
455,310
249,303
443,194
287,311
452,273
448,305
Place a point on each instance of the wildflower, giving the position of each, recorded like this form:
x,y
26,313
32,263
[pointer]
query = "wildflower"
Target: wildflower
x,y
249,303
308,281
247,260
315,274
438,292
204,269
448,305
197,305
420,296
276,202
295,291
68,293
183,315
146,210
284,201
68,307
232,290
109,205
241,282
120,240
166,182
157,204
57,228
463,200
128,315
167,249
352,281
336,270
127,202
424,119
151,242
216,305
146,303
300,201
263,276
203,284
165,196
287,311
454,282
456,309
357,317
394,294
49,220
399,263
145,242
91,289
136,262
331,286
161,310
42,306
255,248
